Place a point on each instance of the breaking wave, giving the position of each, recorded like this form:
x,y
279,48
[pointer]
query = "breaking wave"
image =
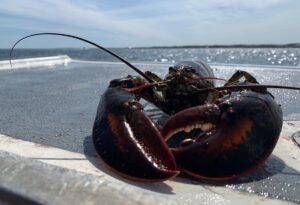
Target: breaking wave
x,y
35,62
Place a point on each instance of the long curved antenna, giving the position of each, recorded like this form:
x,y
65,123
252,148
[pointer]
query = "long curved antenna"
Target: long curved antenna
x,y
232,87
87,41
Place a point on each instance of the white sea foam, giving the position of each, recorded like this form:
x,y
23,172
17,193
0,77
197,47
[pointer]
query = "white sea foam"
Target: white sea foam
x,y
35,62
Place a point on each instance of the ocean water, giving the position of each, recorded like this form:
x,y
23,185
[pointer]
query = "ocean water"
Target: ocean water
x,y
276,66
250,56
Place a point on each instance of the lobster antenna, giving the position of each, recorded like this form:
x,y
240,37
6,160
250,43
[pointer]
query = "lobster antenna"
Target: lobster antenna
x,y
87,41
232,87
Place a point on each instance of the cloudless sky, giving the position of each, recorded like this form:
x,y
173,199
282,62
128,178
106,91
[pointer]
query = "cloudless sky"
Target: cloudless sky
x,y
150,22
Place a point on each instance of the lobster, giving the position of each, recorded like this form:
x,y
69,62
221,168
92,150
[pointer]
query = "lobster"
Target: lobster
x,y
213,133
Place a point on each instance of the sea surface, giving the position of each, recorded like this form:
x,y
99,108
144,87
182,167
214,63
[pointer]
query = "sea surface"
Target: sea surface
x,y
271,66
249,56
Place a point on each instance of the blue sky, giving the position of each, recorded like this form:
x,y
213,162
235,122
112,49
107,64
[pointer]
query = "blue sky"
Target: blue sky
x,y
150,22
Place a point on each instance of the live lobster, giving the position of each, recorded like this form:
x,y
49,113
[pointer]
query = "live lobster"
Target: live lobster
x,y
220,133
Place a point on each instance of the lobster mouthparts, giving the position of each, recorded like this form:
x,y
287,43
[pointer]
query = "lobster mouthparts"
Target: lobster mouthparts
x,y
236,136
128,141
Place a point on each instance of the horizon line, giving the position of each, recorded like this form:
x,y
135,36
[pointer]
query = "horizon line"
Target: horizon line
x,y
271,45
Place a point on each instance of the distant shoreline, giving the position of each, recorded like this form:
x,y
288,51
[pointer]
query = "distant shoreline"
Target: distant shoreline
x,y
289,45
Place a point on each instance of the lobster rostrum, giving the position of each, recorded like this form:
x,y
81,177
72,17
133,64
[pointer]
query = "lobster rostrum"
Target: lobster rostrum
x,y
212,134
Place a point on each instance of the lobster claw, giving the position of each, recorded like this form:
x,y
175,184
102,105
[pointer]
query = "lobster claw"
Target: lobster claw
x,y
128,141
246,127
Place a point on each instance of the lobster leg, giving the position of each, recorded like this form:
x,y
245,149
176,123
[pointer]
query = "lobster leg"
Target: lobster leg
x,y
128,141
246,128
234,79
